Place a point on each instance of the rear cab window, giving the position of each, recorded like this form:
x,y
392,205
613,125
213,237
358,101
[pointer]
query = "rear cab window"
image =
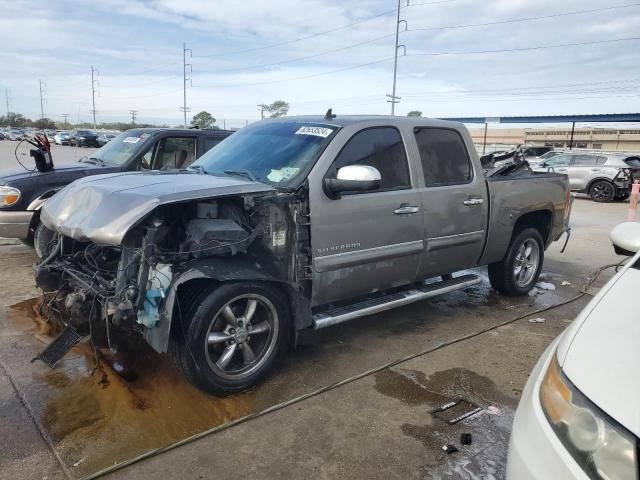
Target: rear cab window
x,y
444,157
381,148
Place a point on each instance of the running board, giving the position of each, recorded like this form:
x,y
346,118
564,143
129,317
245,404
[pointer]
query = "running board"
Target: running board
x,y
392,300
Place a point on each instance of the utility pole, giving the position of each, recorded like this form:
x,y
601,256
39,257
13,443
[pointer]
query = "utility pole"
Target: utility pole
x,y
184,79
93,94
261,107
393,98
41,103
133,116
65,116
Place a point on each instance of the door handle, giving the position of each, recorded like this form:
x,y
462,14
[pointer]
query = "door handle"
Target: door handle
x,y
473,201
406,209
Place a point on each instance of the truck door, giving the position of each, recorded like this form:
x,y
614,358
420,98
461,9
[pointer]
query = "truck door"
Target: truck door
x,y
366,241
454,202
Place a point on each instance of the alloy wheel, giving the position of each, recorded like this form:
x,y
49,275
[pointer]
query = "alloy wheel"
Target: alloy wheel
x,y
526,263
241,336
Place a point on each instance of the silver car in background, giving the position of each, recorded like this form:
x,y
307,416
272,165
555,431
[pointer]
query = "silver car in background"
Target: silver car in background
x,y
603,176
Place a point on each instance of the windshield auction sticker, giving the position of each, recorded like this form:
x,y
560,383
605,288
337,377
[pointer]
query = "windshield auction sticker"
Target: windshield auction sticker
x,y
315,131
131,140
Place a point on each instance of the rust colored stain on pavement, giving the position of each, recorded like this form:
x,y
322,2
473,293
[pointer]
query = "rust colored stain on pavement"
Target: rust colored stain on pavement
x,y
101,418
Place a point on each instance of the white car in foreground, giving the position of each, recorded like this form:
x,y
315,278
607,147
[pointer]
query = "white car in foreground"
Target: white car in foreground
x,y
579,415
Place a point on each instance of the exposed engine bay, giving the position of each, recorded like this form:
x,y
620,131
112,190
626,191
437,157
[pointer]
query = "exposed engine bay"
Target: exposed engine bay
x,y
143,283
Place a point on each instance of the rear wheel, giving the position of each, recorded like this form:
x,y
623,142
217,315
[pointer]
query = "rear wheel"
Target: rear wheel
x,y
602,191
518,272
43,240
232,337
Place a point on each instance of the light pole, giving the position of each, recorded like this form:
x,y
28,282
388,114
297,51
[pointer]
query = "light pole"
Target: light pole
x,y
393,98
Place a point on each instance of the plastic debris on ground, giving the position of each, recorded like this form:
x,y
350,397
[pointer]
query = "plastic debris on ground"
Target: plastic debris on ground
x,y
449,449
546,286
565,283
537,320
494,410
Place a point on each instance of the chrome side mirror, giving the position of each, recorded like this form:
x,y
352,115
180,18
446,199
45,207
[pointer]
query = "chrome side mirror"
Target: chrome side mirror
x,y
353,178
626,238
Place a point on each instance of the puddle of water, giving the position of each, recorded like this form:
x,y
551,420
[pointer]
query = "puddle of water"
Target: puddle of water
x,y
486,457
131,403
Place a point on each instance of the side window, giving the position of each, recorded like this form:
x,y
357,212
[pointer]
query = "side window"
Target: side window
x,y
558,161
583,160
382,148
444,157
175,152
209,143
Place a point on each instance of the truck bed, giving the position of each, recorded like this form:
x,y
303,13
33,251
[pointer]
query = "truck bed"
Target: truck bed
x,y
514,196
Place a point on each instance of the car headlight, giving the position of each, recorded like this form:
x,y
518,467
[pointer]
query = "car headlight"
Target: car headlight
x,y
602,447
9,196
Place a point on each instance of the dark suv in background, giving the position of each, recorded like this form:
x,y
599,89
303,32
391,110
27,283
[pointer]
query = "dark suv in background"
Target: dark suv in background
x,y
22,193
83,138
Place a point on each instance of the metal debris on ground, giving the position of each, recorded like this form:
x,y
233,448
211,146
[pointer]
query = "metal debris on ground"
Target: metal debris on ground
x,y
59,346
537,320
449,449
455,411
466,439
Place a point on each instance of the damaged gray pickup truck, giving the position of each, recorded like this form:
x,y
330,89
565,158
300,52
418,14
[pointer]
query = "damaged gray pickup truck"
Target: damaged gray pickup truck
x,y
290,224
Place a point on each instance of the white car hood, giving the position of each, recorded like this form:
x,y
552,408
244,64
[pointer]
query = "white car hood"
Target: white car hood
x,y
600,352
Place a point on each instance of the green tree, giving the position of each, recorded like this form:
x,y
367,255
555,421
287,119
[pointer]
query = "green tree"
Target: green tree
x,y
414,113
44,123
279,108
12,119
203,120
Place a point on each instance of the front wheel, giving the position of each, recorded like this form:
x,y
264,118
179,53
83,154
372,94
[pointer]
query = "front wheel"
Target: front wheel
x,y
602,191
518,272
232,337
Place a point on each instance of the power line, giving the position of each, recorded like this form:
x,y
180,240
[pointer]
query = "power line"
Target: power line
x,y
297,59
133,116
299,39
351,67
523,49
517,20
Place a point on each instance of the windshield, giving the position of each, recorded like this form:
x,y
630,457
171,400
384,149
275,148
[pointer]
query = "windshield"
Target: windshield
x,y
549,155
275,153
122,147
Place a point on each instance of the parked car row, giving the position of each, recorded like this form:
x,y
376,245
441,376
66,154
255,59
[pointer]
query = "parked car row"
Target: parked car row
x,y
80,138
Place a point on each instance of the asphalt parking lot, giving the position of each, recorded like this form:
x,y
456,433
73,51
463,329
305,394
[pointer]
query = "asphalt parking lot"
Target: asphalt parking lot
x,y
331,410
61,154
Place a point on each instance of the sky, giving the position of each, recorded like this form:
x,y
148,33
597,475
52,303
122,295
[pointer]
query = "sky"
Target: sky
x,y
486,58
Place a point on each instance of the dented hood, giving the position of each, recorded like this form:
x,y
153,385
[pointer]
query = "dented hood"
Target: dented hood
x,y
103,208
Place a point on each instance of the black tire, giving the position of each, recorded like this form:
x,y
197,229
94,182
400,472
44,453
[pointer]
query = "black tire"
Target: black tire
x,y
602,191
42,240
622,197
505,277
200,361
